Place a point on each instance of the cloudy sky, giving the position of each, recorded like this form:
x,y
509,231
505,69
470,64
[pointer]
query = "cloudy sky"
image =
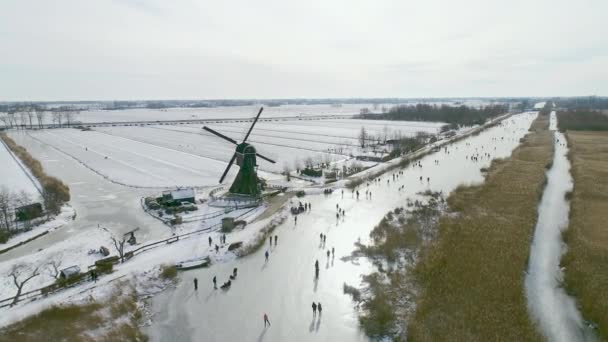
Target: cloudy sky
x,y
203,49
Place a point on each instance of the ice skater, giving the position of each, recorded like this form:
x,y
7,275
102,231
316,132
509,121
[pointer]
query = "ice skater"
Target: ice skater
x,y
319,308
314,308
266,321
215,282
276,237
195,284
266,256
210,240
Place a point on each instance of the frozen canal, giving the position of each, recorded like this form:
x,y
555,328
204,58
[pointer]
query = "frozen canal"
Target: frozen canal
x,y
551,307
95,200
285,288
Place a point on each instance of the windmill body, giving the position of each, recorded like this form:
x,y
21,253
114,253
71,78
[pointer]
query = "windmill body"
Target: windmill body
x,y
246,182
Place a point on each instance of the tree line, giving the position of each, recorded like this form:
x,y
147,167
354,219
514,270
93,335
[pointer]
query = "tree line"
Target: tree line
x,y
455,116
54,192
9,202
35,116
582,120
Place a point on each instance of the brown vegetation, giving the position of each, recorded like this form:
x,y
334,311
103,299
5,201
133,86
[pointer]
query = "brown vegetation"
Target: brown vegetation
x,y
472,277
118,319
587,236
54,192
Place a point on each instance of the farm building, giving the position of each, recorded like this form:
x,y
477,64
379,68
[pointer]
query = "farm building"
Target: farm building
x,y
178,196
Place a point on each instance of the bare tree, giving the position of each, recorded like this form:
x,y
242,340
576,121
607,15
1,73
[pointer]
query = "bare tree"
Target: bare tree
x,y
70,115
57,117
53,267
30,114
11,118
362,137
287,171
385,133
6,206
119,245
309,163
40,114
16,272
23,117
5,119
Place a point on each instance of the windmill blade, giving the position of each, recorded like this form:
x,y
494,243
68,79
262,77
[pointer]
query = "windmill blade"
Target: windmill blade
x,y
228,167
219,135
253,124
265,158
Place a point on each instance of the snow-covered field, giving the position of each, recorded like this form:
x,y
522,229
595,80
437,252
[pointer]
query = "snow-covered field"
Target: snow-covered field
x,y
95,115
15,176
186,155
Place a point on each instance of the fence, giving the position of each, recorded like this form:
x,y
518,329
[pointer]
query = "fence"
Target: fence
x,y
37,293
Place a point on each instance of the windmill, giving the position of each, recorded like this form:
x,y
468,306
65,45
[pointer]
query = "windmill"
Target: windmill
x,y
246,181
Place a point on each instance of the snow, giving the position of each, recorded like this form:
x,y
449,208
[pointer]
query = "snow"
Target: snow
x,y
187,156
15,176
67,212
285,287
552,308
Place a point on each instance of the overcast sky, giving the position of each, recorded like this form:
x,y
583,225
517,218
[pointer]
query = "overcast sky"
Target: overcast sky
x,y
195,49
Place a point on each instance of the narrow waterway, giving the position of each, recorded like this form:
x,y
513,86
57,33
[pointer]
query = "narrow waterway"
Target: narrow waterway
x,y
285,286
551,307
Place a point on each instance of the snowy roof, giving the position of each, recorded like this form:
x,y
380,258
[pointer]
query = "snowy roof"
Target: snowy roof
x,y
182,193
70,271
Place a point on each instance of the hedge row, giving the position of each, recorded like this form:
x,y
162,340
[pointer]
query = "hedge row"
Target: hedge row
x,y
55,193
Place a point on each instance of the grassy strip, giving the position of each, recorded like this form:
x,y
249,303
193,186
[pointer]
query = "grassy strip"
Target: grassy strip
x,y
471,278
262,236
389,292
54,191
587,237
118,319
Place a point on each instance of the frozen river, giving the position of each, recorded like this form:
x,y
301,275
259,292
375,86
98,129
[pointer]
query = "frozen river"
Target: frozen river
x,y
285,288
550,305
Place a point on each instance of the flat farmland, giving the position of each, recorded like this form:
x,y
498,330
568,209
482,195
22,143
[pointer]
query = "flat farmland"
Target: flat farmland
x,y
186,155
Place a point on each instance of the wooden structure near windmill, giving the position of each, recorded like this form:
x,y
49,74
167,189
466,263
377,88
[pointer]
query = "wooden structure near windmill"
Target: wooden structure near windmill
x,y
246,182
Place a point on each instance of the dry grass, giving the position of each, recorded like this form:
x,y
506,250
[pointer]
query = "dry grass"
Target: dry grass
x,y
586,261
472,277
168,272
116,320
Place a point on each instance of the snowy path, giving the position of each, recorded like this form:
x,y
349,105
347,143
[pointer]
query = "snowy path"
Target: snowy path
x,y
285,288
552,308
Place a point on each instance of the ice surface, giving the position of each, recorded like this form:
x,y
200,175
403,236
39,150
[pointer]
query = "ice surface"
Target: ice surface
x,y
285,288
550,305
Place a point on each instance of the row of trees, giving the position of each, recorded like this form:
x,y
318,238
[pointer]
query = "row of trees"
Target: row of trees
x,y
9,201
36,116
455,116
582,120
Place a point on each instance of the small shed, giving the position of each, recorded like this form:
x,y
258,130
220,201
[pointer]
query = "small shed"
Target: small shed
x,y
183,195
69,272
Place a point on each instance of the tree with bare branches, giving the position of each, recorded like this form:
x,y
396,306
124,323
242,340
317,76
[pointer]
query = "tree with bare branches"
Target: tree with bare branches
x,y
53,267
40,114
70,115
287,171
30,114
119,245
17,272
57,117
